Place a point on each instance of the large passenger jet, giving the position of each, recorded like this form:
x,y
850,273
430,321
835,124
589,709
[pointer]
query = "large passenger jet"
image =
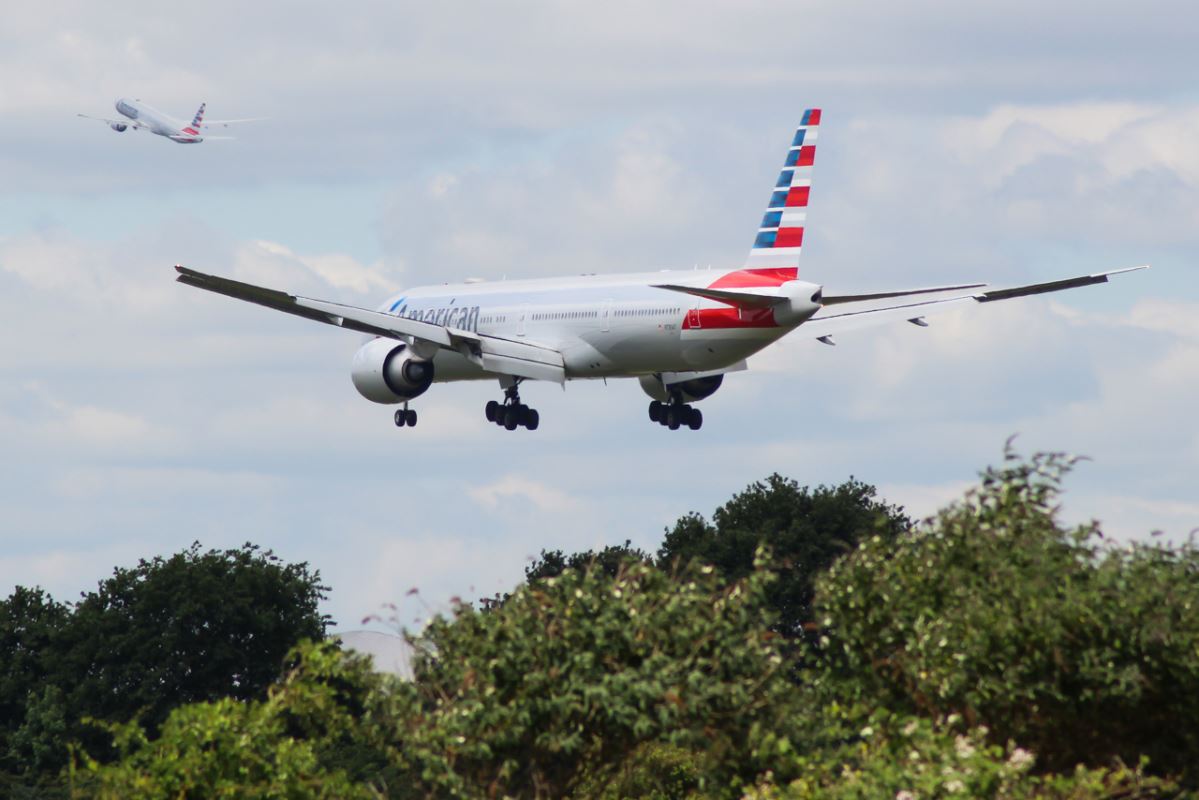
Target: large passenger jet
x,y
139,116
677,333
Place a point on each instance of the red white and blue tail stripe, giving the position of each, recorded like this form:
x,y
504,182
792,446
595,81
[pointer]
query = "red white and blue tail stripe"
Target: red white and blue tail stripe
x,y
198,119
780,236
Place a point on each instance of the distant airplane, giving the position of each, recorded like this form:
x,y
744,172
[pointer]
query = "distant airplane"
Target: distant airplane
x,y
138,115
678,333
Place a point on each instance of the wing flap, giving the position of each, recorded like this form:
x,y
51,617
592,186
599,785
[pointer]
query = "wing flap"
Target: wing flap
x,y
523,359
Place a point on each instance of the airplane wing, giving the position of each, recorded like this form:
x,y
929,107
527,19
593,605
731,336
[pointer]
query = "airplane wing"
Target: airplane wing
x,y
492,353
224,123
122,121
824,325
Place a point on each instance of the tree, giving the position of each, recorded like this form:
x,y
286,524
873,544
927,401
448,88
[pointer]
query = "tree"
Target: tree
x,y
29,621
806,529
194,626
610,560
996,613
285,745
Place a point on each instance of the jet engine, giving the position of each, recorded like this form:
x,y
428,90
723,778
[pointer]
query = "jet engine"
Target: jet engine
x,y
119,127
387,371
691,391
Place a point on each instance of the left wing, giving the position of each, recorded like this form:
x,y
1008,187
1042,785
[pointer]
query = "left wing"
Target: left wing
x,y
823,325
131,123
492,353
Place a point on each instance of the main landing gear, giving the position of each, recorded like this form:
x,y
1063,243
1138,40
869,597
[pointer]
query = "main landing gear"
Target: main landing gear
x,y
405,416
512,413
676,414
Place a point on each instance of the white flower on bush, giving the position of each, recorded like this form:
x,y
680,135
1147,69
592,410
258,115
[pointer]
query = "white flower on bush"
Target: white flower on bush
x,y
904,794
963,747
954,786
1021,758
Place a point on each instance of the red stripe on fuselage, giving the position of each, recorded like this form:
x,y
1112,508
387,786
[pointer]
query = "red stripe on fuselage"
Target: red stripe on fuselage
x,y
725,318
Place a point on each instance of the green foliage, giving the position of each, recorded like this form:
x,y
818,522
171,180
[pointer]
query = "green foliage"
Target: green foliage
x,y
29,620
989,653
570,676
281,747
906,758
195,626
993,611
806,529
611,560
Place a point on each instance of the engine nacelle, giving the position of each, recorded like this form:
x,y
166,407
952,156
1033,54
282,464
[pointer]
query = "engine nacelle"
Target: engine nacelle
x,y
690,391
119,127
387,371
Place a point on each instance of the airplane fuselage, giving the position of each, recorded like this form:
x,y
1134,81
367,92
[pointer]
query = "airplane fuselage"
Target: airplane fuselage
x,y
608,325
157,122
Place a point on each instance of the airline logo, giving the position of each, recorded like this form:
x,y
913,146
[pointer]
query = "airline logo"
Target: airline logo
x,y
198,118
780,236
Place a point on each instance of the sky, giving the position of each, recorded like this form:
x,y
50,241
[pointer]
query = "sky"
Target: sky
x,y
415,143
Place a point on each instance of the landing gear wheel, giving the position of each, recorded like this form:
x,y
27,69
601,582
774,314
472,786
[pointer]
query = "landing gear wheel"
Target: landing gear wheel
x,y
695,419
673,413
410,418
512,414
655,410
401,418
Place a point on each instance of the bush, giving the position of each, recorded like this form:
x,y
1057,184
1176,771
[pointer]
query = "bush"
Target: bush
x,y
992,611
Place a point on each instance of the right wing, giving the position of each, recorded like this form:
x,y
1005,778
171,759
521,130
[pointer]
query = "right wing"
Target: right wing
x,y
824,325
225,123
492,353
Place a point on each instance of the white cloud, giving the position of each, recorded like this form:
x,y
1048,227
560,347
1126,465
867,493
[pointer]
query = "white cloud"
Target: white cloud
x,y
544,498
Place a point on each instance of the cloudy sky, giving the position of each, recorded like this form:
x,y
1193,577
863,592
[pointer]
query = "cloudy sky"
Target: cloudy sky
x,y
411,143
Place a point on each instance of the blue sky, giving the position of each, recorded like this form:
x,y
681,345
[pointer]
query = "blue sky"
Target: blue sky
x,y
414,143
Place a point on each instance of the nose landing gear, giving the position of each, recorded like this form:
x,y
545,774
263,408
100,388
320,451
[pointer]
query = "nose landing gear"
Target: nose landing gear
x,y
512,413
676,414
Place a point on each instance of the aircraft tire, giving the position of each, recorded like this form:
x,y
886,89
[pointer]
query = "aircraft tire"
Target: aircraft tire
x,y
672,417
410,418
490,410
655,411
695,419
401,418
532,419
511,418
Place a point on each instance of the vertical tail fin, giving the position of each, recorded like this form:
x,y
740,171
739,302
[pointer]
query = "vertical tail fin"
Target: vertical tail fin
x,y
199,118
780,235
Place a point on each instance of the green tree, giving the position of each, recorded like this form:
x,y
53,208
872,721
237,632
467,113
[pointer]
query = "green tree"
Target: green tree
x,y
197,625
996,612
613,558
29,621
286,745
583,684
806,529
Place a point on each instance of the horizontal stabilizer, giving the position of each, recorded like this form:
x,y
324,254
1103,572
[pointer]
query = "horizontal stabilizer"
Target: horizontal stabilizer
x,y
745,298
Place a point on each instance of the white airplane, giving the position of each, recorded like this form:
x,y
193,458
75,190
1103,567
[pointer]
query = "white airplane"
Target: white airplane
x,y
138,115
678,333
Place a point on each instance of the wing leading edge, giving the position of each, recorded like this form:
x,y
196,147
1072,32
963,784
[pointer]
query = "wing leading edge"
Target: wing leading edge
x,y
824,325
491,353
